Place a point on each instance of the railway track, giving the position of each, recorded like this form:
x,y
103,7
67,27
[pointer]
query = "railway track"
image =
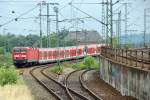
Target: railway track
x,y
74,81
71,93
59,90
56,89
81,78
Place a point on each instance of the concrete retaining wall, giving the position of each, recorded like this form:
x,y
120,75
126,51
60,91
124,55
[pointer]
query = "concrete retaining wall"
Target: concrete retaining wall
x,y
129,81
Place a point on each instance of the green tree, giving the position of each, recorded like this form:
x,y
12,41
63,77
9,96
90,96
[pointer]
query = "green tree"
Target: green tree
x,y
32,39
1,50
53,40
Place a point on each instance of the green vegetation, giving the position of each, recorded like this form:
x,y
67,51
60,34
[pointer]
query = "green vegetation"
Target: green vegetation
x,y
87,63
6,60
1,50
128,45
10,40
57,69
8,75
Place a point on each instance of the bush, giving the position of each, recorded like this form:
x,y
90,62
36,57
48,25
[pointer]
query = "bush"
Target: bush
x,y
88,62
6,60
1,50
75,66
57,69
127,46
8,76
79,66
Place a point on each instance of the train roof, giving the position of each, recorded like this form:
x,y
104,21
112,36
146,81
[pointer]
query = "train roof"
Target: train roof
x,y
80,46
21,47
24,48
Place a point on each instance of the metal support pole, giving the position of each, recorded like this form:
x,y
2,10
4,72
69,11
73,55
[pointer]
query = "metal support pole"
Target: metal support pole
x,y
130,57
115,54
57,32
48,25
111,22
76,47
126,23
126,56
122,55
144,28
136,57
109,29
119,54
103,20
142,59
40,26
119,29
107,37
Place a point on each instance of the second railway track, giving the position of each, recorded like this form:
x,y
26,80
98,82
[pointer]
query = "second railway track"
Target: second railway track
x,y
55,89
74,81
59,90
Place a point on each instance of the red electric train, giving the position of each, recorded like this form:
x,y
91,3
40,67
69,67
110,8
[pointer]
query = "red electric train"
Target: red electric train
x,y
30,56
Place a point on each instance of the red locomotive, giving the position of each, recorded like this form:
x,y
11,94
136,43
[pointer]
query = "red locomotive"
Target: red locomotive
x,y
31,56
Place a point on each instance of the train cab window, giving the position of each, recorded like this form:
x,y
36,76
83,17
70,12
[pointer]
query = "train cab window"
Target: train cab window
x,y
16,50
23,50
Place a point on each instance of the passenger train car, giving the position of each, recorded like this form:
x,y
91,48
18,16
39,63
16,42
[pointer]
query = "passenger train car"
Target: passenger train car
x,y
30,56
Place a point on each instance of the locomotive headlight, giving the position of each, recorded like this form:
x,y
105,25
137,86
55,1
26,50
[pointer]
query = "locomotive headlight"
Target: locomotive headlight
x,y
23,56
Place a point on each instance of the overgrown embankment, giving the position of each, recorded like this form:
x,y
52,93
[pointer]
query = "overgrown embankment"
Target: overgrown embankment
x,y
12,86
8,73
88,62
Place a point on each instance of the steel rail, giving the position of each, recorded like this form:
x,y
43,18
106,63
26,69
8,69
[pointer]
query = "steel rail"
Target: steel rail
x,y
86,88
66,83
43,84
68,90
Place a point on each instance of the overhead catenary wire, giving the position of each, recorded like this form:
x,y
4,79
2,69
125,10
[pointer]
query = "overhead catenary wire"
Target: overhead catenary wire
x,y
19,16
16,1
33,17
88,14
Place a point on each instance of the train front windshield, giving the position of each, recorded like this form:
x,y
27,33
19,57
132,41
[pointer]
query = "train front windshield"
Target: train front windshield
x,y
20,50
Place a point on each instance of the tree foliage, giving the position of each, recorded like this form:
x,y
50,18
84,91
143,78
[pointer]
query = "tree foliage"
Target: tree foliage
x,y
10,41
87,63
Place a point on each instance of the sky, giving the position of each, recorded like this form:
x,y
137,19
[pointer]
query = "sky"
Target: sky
x,y
29,23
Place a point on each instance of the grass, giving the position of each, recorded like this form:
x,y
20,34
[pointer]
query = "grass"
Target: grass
x,y
17,91
87,63
57,69
6,60
12,86
8,73
8,76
